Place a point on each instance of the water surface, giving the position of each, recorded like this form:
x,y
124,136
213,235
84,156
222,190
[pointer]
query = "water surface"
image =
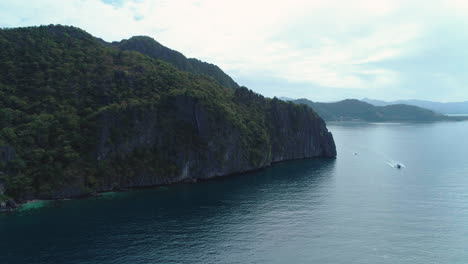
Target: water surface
x,y
355,209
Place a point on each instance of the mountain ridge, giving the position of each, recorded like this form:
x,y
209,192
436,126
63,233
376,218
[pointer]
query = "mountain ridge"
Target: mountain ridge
x,y
150,47
353,109
440,107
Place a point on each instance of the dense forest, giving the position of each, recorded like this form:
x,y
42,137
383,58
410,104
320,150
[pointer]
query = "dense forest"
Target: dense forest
x,y
154,49
78,115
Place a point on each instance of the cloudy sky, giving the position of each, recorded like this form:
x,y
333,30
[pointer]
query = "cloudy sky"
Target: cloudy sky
x,y
323,50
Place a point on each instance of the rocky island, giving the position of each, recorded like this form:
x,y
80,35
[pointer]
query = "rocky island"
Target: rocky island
x,y
79,115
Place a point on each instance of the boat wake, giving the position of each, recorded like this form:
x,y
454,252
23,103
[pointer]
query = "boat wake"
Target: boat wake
x,y
396,164
376,154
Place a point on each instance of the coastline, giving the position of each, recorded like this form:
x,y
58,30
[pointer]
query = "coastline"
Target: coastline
x,y
19,206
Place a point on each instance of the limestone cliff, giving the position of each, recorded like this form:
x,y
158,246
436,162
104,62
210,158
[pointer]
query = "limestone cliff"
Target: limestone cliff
x,y
199,145
78,116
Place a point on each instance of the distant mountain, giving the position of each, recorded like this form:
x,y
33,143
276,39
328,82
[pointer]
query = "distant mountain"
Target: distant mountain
x,y
443,108
352,109
376,102
283,98
154,49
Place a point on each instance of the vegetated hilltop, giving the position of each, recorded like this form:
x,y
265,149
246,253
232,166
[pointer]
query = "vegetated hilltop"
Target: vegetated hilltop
x,y
78,115
154,49
352,109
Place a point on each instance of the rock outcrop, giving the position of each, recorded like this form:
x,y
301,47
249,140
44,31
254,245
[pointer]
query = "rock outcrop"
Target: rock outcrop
x,y
198,145
7,205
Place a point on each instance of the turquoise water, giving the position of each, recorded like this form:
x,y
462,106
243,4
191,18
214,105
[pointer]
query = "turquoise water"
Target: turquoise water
x,y
355,209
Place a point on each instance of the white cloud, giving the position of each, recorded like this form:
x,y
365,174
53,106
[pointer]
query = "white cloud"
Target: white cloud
x,y
326,43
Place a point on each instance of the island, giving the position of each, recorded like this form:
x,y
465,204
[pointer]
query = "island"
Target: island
x,y
356,110
79,116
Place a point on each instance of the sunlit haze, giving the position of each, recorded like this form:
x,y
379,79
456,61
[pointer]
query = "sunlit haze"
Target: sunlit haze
x,y
322,50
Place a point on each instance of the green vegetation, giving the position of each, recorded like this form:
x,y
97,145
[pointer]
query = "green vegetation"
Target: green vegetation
x,y
54,81
357,110
76,112
152,48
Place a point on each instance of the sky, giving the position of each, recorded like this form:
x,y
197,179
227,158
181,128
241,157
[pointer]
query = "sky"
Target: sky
x,y
323,50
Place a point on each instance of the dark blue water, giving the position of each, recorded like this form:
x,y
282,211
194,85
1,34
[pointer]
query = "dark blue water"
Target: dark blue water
x,y
355,209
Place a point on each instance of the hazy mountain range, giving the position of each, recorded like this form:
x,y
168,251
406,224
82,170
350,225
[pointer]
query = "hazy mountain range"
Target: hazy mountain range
x,y
443,108
352,109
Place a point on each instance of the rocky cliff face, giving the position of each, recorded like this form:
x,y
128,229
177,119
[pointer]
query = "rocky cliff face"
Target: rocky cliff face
x,y
184,140
6,154
201,146
78,116
299,133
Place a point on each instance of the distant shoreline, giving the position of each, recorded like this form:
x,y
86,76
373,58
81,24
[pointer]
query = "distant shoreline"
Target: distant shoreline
x,y
450,118
462,115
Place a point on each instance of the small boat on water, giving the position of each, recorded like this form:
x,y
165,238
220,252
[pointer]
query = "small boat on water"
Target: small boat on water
x,y
396,165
